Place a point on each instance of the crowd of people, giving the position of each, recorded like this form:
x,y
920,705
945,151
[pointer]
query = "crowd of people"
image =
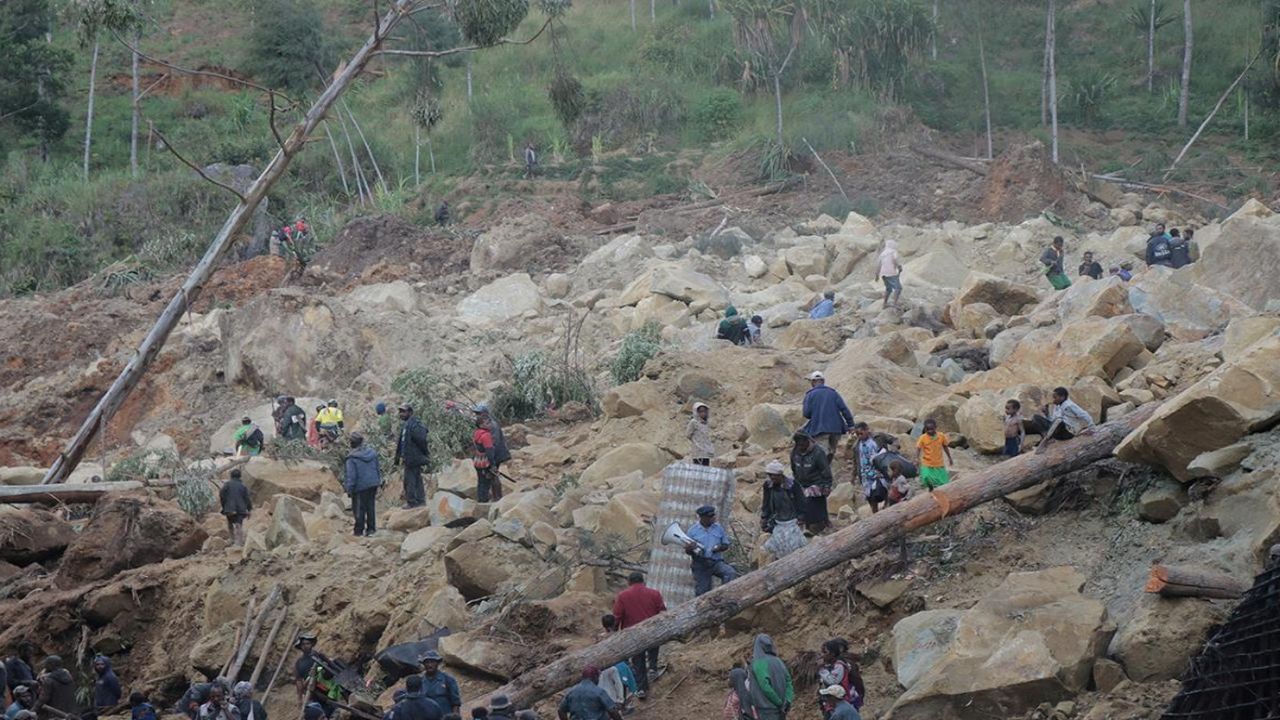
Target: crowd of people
x,y
1173,248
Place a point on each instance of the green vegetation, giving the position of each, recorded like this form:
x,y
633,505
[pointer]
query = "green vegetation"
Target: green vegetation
x,y
540,383
638,347
619,112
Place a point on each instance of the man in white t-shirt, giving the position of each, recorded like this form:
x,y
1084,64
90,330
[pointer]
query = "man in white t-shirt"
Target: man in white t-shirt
x,y
889,269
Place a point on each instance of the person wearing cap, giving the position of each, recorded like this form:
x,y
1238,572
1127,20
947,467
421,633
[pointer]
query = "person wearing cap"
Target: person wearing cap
x,y
834,705
438,685
362,478
706,551
306,666
812,471
414,703
633,606
825,308
587,700
829,418
413,451
780,510
330,421
500,708
23,699
699,433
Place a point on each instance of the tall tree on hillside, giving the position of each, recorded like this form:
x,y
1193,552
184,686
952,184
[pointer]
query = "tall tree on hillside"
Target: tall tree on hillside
x,y
289,46
32,81
1148,19
768,33
1044,71
1051,42
1185,95
94,17
874,40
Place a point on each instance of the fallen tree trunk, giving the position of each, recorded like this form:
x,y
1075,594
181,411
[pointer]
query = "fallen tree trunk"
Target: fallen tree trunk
x,y
822,554
1187,581
63,494
284,655
251,635
266,646
973,165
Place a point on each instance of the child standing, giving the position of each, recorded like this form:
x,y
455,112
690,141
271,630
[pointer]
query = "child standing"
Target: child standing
x,y
702,449
236,504
1014,433
930,450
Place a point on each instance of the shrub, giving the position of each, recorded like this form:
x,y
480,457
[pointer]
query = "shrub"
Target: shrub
x,y
638,347
718,114
450,428
539,384
289,46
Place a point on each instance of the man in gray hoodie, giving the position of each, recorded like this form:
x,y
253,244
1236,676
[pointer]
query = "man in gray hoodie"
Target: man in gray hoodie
x,y
772,691
361,479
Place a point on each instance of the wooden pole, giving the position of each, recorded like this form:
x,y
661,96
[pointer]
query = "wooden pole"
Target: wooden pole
x,y
284,655
235,647
818,157
235,223
266,646
251,634
1187,581
824,553
63,494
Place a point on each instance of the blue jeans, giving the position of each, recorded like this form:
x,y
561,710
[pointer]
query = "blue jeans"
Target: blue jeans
x,y
704,570
1012,446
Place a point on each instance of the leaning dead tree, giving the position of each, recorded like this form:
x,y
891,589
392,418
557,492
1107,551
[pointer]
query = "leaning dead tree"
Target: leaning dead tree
x,y
881,529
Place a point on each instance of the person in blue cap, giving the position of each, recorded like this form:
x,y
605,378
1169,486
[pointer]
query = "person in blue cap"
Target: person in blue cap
x,y
438,685
706,551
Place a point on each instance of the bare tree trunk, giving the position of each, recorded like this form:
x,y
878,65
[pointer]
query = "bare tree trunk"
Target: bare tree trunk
x,y
1196,135
653,10
986,93
251,632
633,15
266,647
933,37
362,188
368,150
134,93
1053,75
1184,97
417,154
1151,46
88,120
711,9
823,553
63,494
469,89
240,216
1044,71
337,157
431,154
777,101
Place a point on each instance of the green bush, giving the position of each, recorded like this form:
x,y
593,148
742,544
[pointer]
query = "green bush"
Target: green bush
x,y
638,347
450,429
539,384
289,46
718,114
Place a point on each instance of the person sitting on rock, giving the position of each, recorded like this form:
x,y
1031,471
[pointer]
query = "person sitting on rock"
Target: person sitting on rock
x,y
439,685
1179,249
587,700
755,330
1158,247
733,327
1090,267
248,438
698,431
1062,420
415,705
236,504
825,308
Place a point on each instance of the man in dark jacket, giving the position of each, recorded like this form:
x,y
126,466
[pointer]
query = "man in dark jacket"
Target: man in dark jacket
x,y
140,708
439,685
361,480
106,688
812,471
1159,250
57,688
18,667
236,506
828,415
783,498
1090,267
1179,250
293,422
415,705
412,450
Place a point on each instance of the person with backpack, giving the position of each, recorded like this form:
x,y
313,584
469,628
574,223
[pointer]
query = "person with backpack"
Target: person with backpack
x,y
1052,259
248,439
1159,247
1179,250
361,479
836,670
501,453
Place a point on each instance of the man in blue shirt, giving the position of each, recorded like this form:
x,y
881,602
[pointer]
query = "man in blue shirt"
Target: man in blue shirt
x,y
438,685
829,417
587,700
710,542
825,308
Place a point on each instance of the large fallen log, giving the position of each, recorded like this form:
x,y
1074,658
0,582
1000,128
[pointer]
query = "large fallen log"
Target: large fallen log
x,y
824,553
1187,581
63,494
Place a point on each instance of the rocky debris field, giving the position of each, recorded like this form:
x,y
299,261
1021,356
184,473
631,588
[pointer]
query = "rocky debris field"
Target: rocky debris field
x,y
1031,607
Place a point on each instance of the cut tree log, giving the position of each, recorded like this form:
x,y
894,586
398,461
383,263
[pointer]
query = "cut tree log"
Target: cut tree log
x,y
240,631
251,635
236,222
822,554
63,494
976,166
284,655
266,646
1188,581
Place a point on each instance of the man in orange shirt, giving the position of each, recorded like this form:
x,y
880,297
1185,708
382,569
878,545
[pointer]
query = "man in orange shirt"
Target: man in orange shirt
x,y
633,606
930,450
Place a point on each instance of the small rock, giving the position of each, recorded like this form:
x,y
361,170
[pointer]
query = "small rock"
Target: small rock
x,y
883,593
1107,674
1161,502
1217,463
557,286
755,266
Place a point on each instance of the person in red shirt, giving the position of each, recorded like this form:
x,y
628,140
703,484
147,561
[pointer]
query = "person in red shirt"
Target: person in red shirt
x,y
488,486
633,606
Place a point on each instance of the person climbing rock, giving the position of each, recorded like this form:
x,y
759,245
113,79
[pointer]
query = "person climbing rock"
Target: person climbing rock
x,y
106,685
1052,259
633,606
825,308
439,685
701,448
587,700
248,439
707,552
812,470
361,479
829,418
236,505
889,271
413,451
733,327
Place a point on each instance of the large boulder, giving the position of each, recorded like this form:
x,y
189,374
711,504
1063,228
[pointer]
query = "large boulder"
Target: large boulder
x,y
425,543
877,386
33,534
1006,296
940,268
678,283
1242,261
1163,634
398,296
822,335
481,652
981,421
489,566
1189,311
511,243
306,479
645,457
632,399
287,524
1032,640
502,300
806,260
1093,346
21,475
921,641
1239,397
126,531
771,426
1095,298
629,515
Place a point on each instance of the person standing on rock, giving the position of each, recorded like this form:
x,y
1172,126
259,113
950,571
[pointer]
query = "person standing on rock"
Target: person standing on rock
x,y
1179,249
707,552
633,606
1159,247
248,438
438,685
931,447
780,511
293,421
812,471
1090,267
875,489
1015,434
889,271
587,700
250,709
106,686
414,704
825,308
236,505
218,707
1052,259
829,418
57,688
701,448
772,691
361,479
501,453
488,483
413,451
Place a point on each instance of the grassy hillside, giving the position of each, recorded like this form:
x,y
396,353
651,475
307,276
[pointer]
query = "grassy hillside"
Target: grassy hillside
x,y
671,85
